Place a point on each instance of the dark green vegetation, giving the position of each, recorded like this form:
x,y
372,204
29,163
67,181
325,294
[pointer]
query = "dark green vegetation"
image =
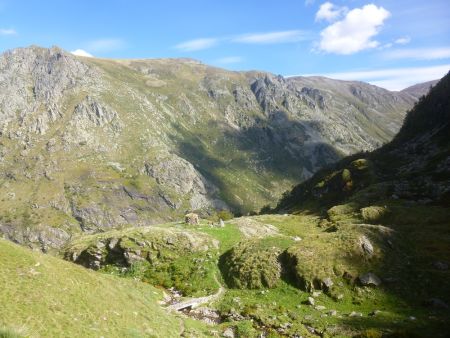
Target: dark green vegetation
x,y
165,256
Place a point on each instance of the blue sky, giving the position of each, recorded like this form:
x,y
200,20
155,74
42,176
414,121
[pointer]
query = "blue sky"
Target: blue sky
x,y
391,43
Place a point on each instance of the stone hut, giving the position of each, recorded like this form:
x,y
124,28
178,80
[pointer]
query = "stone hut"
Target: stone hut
x,y
191,218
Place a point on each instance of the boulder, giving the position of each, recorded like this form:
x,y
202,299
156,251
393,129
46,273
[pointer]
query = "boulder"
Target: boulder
x,y
327,283
373,213
133,245
228,333
369,279
374,313
366,245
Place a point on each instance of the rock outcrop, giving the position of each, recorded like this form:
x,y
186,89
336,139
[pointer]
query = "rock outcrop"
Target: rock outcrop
x,y
124,248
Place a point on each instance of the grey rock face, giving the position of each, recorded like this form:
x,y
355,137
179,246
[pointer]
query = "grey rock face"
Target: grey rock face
x,y
175,172
44,238
327,283
94,217
91,110
33,81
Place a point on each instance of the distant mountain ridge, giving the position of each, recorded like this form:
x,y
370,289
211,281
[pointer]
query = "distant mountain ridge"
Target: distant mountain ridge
x,y
420,89
89,144
414,166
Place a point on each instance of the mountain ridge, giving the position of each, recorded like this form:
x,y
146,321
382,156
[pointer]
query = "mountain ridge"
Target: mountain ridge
x,y
418,155
89,144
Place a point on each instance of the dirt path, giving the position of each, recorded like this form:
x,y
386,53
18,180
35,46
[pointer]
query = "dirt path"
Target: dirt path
x,y
195,302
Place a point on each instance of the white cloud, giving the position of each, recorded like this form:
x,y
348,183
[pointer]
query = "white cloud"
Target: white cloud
x,y
309,2
386,45
81,52
229,60
105,45
251,38
403,41
354,33
9,31
330,12
272,37
197,44
393,78
419,53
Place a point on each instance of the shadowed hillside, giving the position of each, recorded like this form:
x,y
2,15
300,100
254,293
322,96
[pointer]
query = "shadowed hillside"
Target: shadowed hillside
x,y
399,197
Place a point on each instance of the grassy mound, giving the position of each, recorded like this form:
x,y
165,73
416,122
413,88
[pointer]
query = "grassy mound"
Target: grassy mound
x,y
126,246
43,296
373,213
252,264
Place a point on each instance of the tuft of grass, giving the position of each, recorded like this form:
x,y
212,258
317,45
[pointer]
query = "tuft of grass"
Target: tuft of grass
x,y
8,333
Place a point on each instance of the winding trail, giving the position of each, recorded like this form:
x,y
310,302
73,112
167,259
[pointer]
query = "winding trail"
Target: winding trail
x,y
195,302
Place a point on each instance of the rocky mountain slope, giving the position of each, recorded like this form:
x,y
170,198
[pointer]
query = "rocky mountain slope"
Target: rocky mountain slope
x,y
90,144
420,89
414,166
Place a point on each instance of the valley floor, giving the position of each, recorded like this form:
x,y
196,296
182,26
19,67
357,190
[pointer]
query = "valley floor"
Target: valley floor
x,y
283,275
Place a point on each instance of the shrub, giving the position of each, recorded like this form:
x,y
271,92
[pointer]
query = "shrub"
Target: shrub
x,y
346,175
225,215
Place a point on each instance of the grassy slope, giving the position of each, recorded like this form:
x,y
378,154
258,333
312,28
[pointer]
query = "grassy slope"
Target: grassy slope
x,y
42,296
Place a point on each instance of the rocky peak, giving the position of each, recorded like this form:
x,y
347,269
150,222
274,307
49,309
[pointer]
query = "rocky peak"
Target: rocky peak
x,y
34,80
